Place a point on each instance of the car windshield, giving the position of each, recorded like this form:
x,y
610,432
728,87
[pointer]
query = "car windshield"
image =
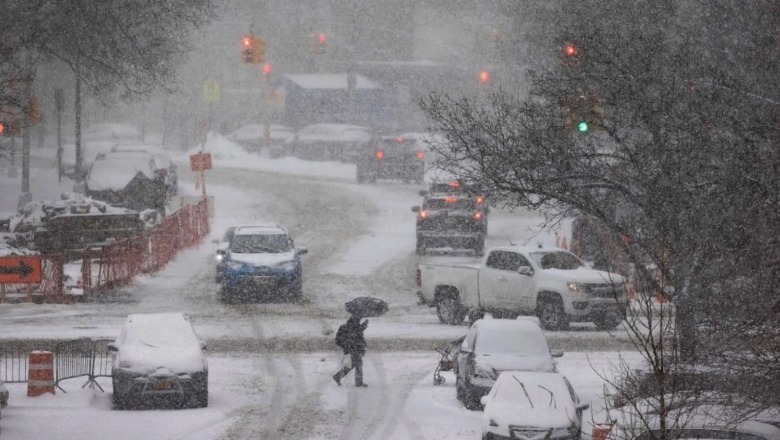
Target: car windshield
x,y
556,260
525,394
503,340
455,203
260,243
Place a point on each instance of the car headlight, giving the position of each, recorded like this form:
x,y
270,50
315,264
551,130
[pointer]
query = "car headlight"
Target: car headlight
x,y
288,265
484,372
234,265
220,257
577,287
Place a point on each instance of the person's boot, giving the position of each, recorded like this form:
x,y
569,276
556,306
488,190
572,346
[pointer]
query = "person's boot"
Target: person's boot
x,y
337,379
363,385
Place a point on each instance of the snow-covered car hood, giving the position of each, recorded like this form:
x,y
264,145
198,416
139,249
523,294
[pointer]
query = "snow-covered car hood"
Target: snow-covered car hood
x,y
540,416
263,259
147,359
512,361
586,275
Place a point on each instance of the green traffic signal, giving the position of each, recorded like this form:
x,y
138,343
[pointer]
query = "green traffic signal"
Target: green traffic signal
x,y
582,127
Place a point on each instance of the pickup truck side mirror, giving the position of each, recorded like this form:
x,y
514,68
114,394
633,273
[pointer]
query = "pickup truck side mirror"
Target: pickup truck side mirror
x,y
112,347
303,251
415,209
583,406
525,270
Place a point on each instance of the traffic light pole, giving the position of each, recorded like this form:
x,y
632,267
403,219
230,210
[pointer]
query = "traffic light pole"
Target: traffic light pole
x,y
266,112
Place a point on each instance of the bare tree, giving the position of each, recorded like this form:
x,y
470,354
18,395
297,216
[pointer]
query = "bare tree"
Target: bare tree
x,y
676,161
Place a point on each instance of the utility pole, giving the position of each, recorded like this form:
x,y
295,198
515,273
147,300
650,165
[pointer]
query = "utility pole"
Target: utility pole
x,y
59,101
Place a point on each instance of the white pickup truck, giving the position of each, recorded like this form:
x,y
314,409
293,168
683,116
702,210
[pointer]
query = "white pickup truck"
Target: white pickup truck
x,y
550,283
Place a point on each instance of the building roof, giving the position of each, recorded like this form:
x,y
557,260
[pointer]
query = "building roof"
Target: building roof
x,y
329,81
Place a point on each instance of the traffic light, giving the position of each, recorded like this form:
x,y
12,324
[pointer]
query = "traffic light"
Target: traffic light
x,y
584,113
483,77
2,128
582,127
317,43
252,49
569,50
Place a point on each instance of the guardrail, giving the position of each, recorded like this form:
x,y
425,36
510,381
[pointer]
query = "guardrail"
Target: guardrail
x,y
72,359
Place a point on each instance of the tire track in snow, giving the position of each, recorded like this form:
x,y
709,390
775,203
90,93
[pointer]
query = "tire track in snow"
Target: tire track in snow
x,y
364,418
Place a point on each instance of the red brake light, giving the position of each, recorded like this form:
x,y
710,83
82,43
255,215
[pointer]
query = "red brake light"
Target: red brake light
x,y
247,41
454,184
478,215
399,140
479,200
380,154
422,215
450,199
419,155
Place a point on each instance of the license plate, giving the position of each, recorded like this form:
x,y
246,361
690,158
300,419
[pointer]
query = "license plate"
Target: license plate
x,y
162,385
263,281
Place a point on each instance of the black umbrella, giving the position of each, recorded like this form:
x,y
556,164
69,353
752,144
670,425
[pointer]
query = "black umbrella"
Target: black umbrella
x,y
366,307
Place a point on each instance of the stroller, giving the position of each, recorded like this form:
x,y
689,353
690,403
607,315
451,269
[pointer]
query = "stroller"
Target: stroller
x,y
447,361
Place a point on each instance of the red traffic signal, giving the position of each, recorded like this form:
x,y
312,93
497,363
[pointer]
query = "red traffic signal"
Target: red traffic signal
x,y
252,49
569,50
2,128
483,77
317,43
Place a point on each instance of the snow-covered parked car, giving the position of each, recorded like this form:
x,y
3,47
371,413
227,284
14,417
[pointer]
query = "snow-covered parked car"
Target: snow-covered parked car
x,y
495,345
158,360
110,132
128,180
252,137
531,404
161,163
337,142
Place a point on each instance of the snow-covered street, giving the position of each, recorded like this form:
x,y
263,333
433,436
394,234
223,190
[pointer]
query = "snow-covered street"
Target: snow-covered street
x,y
271,362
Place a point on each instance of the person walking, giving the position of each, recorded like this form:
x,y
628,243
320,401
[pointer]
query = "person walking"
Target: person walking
x,y
350,338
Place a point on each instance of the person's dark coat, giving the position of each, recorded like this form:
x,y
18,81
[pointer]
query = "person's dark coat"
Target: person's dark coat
x,y
352,340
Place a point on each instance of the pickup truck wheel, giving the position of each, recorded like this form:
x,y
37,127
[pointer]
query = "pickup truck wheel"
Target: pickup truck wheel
x,y
551,314
450,311
608,321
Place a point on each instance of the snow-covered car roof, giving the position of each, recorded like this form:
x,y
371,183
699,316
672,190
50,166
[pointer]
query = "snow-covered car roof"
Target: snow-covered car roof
x,y
115,173
270,228
109,132
335,132
160,340
160,160
510,335
251,132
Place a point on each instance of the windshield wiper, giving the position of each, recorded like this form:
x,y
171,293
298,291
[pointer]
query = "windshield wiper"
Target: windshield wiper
x,y
525,391
552,396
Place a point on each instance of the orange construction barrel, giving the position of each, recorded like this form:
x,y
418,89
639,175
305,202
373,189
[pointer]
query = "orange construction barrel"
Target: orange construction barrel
x,y
40,373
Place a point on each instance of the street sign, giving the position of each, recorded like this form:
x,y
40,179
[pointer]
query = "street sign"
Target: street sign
x,y
200,161
22,269
211,91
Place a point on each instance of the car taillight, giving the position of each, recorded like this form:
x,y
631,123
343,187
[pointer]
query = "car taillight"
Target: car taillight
x,y
450,199
419,155
422,215
380,154
478,215
418,277
479,199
